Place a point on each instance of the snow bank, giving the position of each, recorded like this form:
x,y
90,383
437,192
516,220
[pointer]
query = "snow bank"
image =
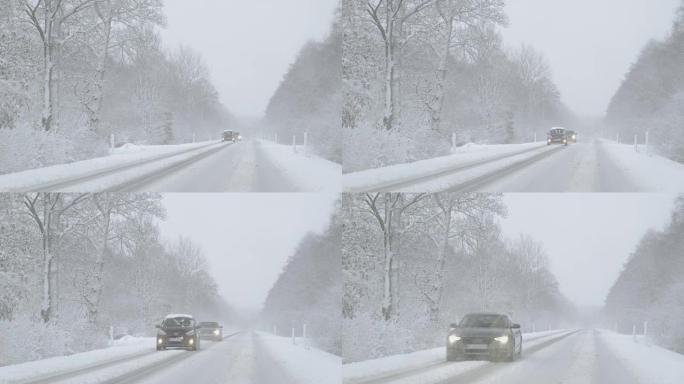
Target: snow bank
x,y
652,173
307,172
126,155
470,154
126,347
647,362
425,358
305,364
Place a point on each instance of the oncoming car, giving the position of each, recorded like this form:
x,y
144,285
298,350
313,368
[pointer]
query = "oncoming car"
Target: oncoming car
x,y
230,136
178,331
491,336
557,136
211,330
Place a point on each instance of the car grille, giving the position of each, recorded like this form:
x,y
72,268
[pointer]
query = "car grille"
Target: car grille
x,y
477,340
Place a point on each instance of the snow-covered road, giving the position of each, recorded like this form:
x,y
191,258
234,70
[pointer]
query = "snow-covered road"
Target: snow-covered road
x,y
590,166
576,357
242,358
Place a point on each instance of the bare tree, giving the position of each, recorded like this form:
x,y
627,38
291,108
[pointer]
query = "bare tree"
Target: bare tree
x,y
388,16
48,17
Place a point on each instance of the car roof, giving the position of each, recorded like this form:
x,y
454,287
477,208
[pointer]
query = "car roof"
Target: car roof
x,y
173,316
485,314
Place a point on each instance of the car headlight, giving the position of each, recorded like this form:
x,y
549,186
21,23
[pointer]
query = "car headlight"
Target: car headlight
x,y
502,339
216,332
453,338
160,341
191,341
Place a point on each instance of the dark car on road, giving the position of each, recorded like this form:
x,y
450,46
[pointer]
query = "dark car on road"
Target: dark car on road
x,y
490,336
178,331
210,330
557,136
230,136
571,136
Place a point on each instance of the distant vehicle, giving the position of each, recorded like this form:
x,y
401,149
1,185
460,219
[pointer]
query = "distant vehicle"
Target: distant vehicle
x,y
230,136
571,135
211,330
557,136
178,331
238,136
484,335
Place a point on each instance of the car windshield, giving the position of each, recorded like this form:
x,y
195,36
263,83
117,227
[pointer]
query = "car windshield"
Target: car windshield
x,y
557,132
484,321
208,324
177,322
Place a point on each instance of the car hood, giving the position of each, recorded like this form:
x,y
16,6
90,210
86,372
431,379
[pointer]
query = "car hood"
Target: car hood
x,y
479,332
177,331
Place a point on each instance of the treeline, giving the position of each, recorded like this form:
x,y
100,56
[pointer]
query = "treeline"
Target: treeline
x,y
413,264
72,266
651,97
309,291
74,72
309,99
650,287
417,71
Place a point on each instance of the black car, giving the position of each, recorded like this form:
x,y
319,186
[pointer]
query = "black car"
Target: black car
x,y
571,136
491,336
211,330
557,136
230,136
178,331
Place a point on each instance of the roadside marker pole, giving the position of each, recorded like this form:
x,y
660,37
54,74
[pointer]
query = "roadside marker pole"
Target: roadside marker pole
x,y
647,148
294,143
636,143
112,143
453,142
276,138
306,143
645,328
634,332
293,336
304,331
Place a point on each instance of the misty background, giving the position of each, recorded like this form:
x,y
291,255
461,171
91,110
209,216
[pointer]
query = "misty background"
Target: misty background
x,y
551,261
501,72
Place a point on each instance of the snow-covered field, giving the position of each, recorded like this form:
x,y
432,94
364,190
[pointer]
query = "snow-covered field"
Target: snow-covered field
x,y
368,370
305,171
128,347
466,156
647,362
304,363
650,172
120,157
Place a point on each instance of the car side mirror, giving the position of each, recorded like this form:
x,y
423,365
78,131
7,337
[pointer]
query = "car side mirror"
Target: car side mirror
x,y
516,326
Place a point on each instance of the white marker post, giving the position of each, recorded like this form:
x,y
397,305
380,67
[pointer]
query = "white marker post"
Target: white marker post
x,y
112,142
636,143
276,138
294,143
293,336
647,148
453,142
645,328
634,332
306,143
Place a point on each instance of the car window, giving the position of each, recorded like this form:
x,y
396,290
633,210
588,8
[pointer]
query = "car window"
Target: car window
x,y
484,321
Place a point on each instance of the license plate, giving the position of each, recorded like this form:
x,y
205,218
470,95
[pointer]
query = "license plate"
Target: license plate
x,y
476,346
175,339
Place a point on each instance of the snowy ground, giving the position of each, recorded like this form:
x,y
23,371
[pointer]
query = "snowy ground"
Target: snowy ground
x,y
304,364
306,171
439,173
591,166
243,358
580,357
38,179
250,166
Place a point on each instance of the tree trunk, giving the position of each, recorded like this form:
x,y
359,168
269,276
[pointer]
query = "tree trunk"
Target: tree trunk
x,y
388,297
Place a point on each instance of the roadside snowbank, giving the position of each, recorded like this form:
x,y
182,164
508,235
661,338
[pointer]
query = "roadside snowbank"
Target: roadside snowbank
x,y
127,347
127,155
374,179
307,172
652,173
649,363
305,364
430,357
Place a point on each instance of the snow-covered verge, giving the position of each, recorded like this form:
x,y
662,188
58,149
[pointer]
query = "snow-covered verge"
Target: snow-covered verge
x,y
307,172
469,154
647,362
419,359
650,172
305,364
126,155
126,347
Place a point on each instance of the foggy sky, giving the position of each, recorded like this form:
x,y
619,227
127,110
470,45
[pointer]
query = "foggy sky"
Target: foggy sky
x,y
588,237
589,44
247,238
248,45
